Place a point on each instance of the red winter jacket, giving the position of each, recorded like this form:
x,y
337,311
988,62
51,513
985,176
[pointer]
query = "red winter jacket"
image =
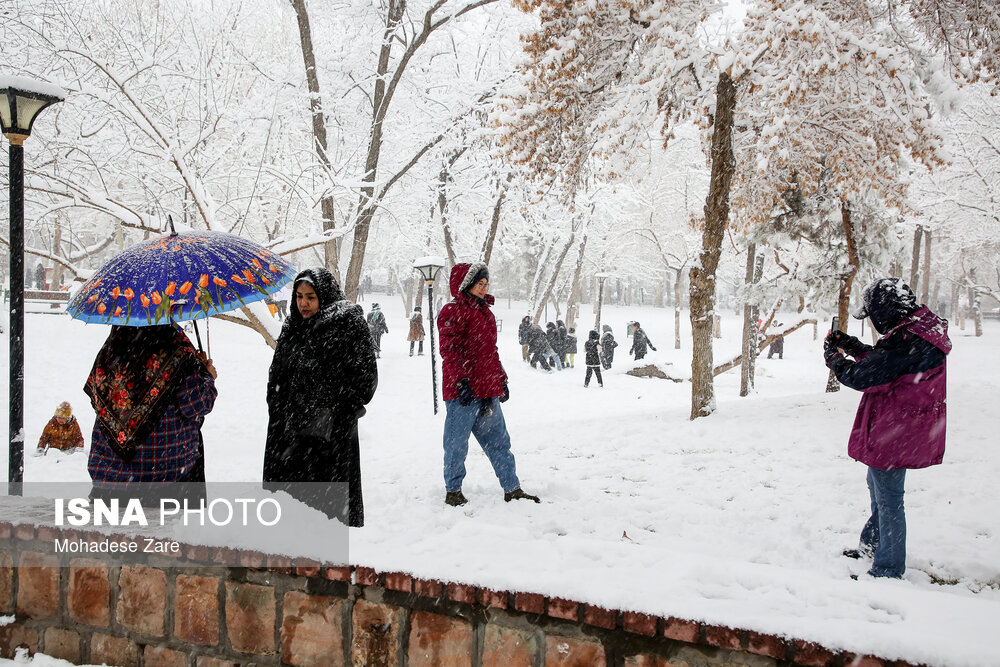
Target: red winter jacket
x,y
468,334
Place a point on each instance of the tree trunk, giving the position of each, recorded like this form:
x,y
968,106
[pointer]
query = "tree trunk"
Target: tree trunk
x,y
915,259
367,204
331,250
955,291
926,282
536,283
57,268
495,220
573,307
678,295
442,203
553,278
977,308
702,290
846,280
754,269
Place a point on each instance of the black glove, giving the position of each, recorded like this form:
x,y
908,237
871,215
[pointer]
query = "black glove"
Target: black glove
x,y
830,355
838,339
465,395
652,348
506,393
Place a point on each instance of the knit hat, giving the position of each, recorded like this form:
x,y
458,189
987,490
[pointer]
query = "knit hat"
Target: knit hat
x,y
64,410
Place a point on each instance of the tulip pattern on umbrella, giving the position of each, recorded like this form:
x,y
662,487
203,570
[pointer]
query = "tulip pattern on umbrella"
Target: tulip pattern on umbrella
x,y
180,277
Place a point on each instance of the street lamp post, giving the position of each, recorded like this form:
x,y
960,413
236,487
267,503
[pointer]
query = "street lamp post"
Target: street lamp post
x,y
21,100
429,267
601,277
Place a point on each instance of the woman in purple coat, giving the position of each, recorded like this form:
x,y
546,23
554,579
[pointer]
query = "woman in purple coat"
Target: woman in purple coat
x,y
900,422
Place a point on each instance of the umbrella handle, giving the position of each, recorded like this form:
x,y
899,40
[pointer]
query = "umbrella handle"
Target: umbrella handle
x,y
197,335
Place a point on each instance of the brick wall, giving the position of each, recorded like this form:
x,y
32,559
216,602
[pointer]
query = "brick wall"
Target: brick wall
x,y
217,607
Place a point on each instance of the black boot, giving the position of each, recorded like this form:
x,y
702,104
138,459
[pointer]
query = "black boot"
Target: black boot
x,y
518,494
455,498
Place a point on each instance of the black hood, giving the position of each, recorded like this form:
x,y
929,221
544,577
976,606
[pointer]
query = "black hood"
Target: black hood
x,y
887,301
327,290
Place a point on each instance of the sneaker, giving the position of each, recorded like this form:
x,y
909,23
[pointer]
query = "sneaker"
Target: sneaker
x,y
455,498
857,554
518,494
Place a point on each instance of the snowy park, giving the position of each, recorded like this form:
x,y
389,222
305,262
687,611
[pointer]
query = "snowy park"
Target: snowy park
x,y
713,171
738,519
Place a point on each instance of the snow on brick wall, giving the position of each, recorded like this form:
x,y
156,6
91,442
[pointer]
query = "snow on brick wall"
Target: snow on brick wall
x,y
216,606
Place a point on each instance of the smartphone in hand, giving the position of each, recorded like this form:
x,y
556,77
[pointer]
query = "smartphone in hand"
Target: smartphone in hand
x,y
835,326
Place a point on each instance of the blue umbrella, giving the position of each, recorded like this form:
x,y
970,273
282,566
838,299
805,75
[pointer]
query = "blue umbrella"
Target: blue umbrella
x,y
180,277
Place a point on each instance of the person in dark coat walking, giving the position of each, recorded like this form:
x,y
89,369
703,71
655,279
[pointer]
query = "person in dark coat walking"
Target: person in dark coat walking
x,y
571,348
608,345
562,334
150,390
524,336
322,375
377,326
538,347
39,276
901,420
555,344
640,341
417,332
592,350
474,385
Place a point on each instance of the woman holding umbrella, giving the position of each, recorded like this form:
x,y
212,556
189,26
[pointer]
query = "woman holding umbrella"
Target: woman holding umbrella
x,y
322,375
150,390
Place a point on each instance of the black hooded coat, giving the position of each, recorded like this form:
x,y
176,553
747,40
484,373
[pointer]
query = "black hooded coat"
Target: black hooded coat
x,y
322,375
640,343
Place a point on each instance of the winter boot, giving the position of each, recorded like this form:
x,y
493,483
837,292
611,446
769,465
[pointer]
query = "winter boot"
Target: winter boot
x,y
518,494
455,498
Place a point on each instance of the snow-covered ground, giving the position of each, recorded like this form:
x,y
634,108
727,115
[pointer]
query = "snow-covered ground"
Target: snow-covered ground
x,y
737,519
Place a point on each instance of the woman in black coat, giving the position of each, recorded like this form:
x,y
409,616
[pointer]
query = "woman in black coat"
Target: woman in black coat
x,y
322,375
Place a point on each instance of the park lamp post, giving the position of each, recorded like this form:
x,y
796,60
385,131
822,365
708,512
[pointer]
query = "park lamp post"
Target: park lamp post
x,y
601,277
21,100
429,267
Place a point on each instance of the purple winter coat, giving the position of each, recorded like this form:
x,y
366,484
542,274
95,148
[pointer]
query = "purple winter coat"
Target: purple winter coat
x,y
901,419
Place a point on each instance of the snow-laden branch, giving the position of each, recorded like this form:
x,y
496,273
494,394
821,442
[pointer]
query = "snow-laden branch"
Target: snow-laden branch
x,y
283,246
765,342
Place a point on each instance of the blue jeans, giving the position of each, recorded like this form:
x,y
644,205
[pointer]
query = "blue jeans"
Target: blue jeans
x,y
490,430
554,361
885,532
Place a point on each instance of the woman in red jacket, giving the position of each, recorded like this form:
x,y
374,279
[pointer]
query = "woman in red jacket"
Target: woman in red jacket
x,y
474,384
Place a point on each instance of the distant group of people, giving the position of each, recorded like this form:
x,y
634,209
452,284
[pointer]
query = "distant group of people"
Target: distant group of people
x,y
554,347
